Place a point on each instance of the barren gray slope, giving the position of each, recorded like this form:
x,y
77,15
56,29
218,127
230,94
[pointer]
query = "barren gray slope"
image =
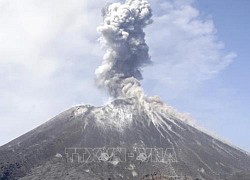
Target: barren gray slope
x,y
32,156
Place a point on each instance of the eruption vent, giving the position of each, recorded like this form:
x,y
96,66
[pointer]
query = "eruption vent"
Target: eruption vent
x,y
127,52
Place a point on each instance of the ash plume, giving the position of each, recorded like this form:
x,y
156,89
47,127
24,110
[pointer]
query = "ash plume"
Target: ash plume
x,y
126,54
126,49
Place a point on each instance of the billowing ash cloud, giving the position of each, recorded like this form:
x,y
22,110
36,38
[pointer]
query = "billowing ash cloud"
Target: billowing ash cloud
x,y
126,49
126,54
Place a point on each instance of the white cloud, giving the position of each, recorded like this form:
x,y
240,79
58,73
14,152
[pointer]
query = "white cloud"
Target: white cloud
x,y
184,48
48,54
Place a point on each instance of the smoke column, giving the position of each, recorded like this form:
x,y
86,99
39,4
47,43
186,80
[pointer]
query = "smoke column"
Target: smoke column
x,y
126,49
126,54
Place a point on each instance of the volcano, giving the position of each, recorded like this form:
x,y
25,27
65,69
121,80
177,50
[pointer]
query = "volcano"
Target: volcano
x,y
132,137
121,140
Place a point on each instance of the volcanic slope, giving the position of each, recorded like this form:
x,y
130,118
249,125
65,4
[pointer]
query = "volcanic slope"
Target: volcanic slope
x,y
125,124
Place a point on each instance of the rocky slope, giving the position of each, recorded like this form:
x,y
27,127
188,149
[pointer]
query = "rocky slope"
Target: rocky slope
x,y
136,142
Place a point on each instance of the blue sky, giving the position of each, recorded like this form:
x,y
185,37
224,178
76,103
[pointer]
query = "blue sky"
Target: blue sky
x,y
200,49
221,104
231,19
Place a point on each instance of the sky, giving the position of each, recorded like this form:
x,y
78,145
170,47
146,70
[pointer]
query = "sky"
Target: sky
x,y
49,51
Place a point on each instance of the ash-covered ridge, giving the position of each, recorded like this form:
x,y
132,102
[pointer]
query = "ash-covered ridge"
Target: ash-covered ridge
x,y
123,123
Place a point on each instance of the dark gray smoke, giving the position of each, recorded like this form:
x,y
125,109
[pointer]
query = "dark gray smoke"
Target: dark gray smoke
x,y
126,49
126,54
